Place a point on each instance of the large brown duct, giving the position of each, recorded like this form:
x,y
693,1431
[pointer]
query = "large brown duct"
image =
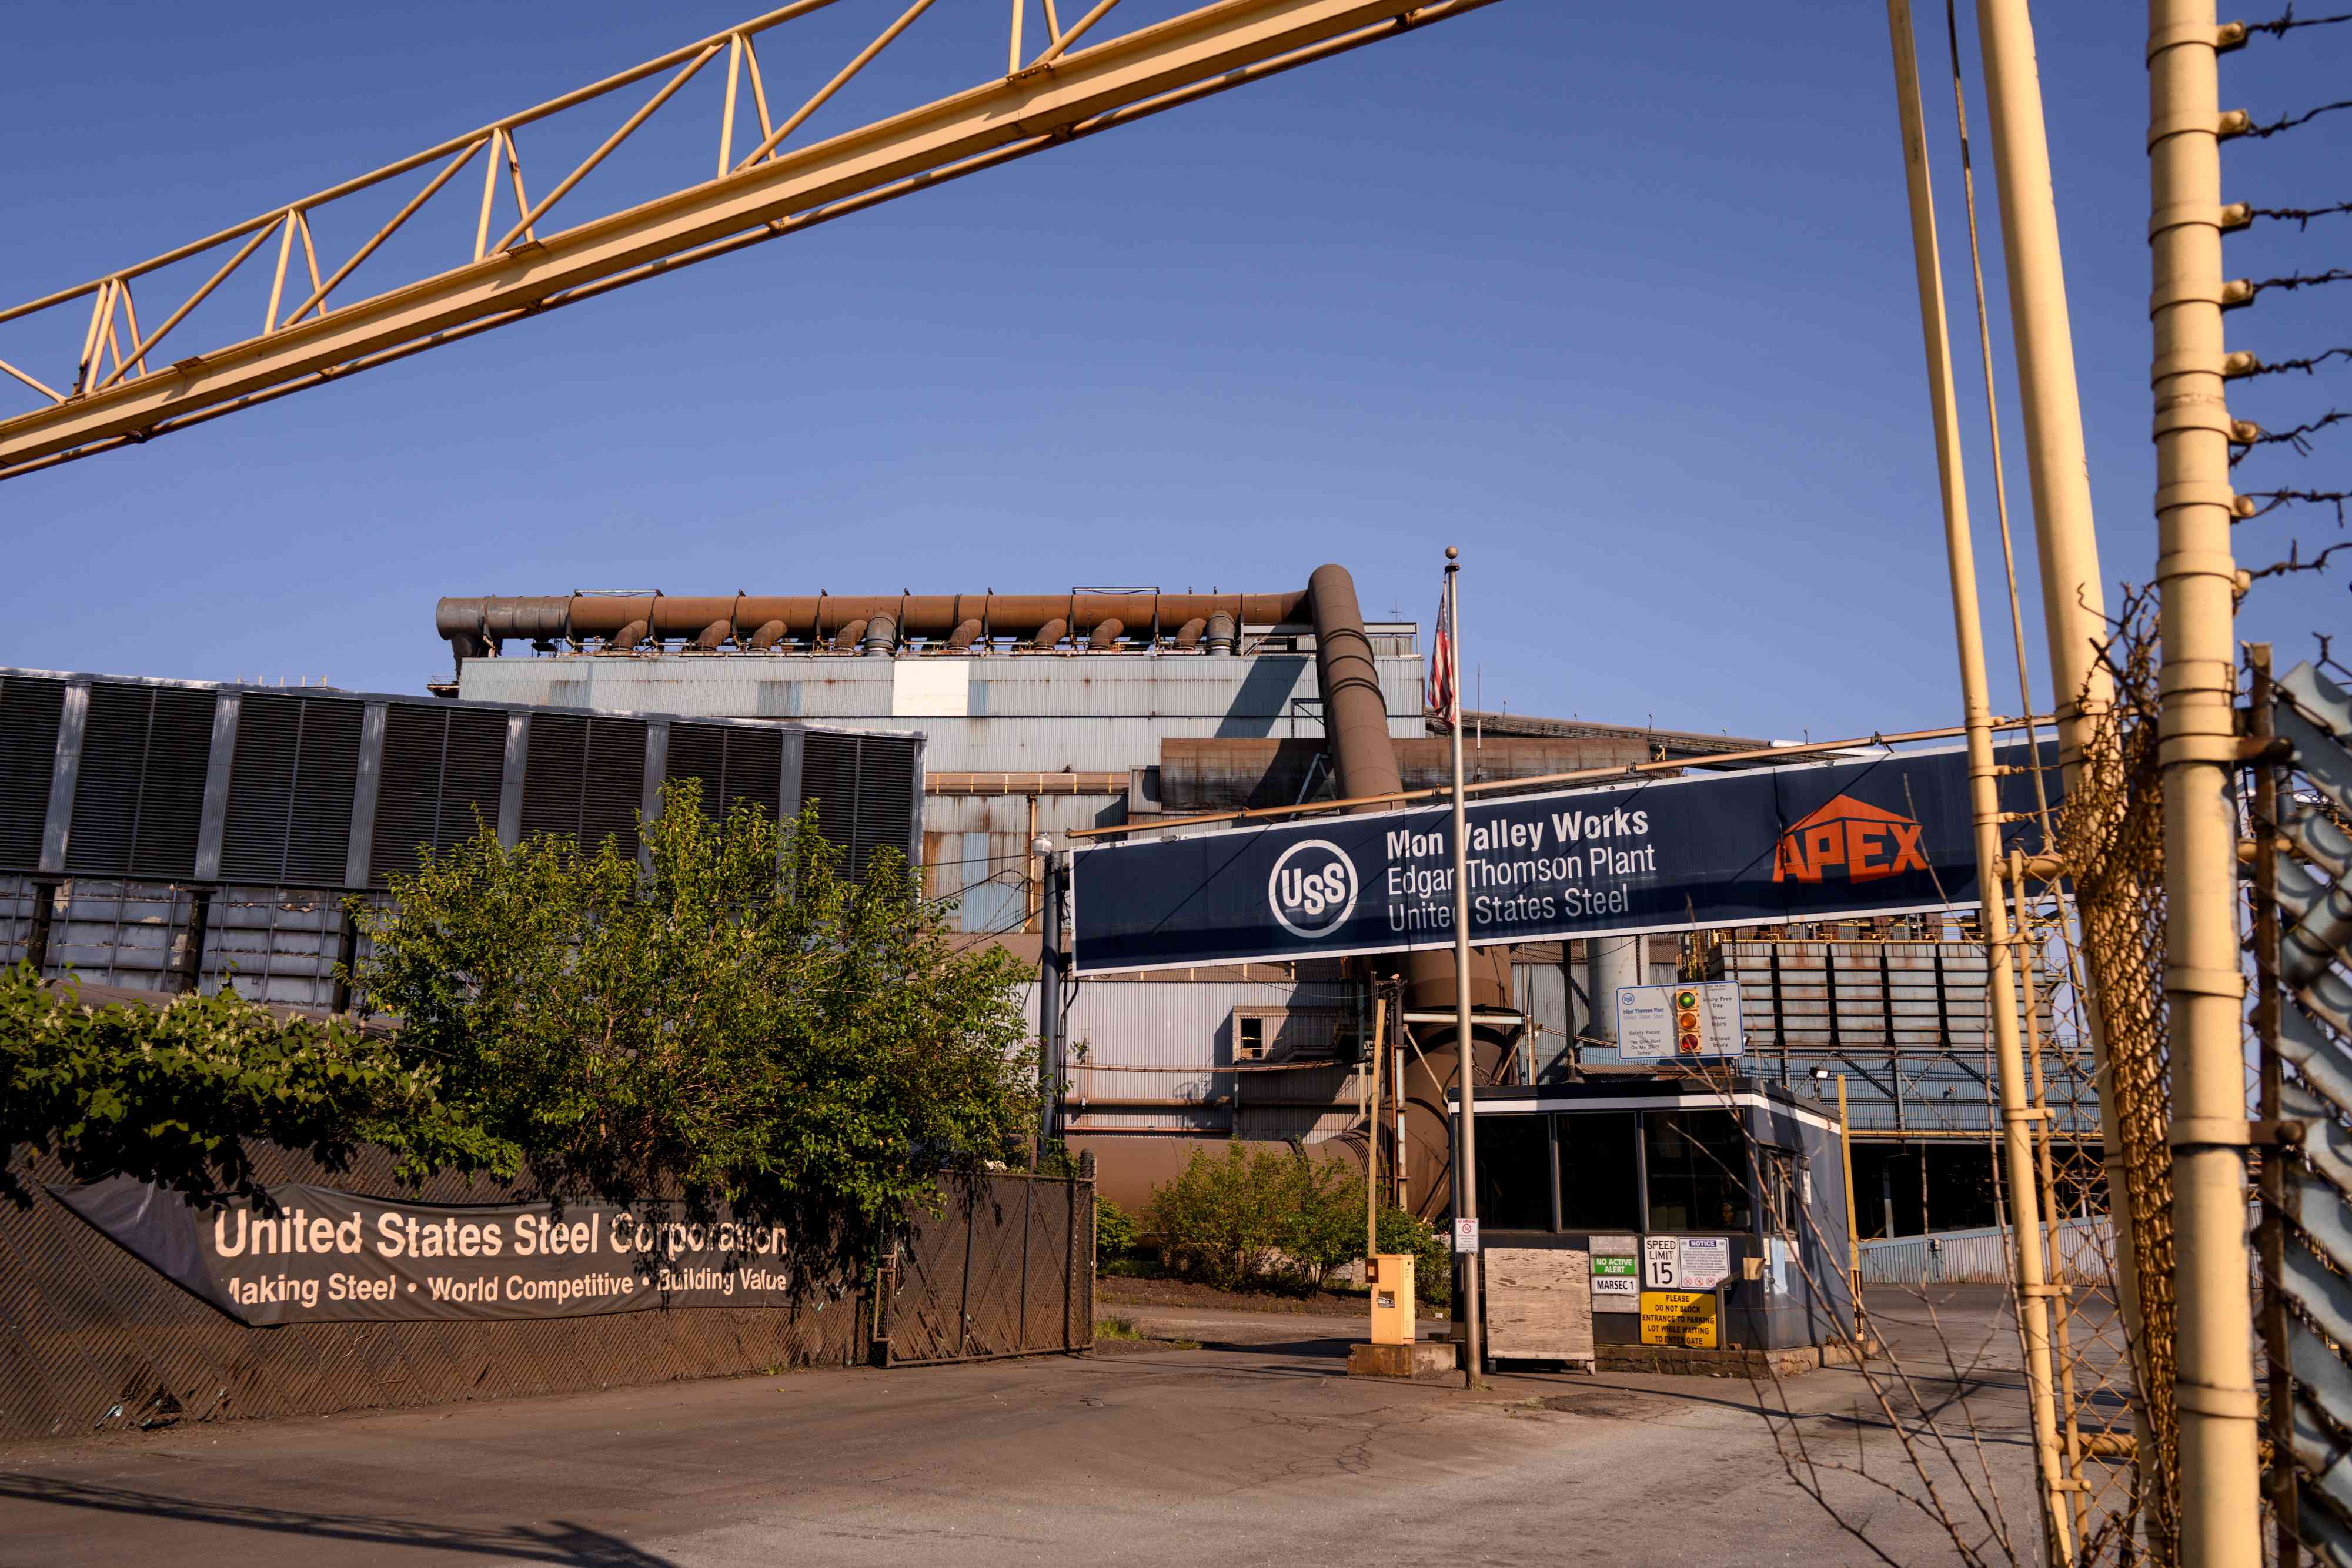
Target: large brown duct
x,y
475,625
1363,759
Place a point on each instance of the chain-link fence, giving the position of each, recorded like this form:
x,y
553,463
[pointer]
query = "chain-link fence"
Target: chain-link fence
x,y
91,1339
2111,838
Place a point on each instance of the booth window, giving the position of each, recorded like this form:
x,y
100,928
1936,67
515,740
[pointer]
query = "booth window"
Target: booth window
x,y
1600,1174
1514,1172
1697,1167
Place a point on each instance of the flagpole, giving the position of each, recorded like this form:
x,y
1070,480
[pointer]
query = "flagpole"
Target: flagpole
x,y
1465,1126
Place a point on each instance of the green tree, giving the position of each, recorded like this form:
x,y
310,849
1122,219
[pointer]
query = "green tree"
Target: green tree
x,y
741,1026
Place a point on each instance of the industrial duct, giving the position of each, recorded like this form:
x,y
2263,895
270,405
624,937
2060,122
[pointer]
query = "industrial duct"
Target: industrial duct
x,y
476,626
1364,760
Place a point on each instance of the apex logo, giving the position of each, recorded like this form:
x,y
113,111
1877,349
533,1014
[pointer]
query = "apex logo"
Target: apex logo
x,y
1867,841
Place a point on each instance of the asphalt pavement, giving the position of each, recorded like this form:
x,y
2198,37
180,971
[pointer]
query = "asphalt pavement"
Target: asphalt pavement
x,y
1254,1448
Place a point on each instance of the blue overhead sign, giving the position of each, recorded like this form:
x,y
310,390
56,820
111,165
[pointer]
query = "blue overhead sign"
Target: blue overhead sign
x,y
1823,840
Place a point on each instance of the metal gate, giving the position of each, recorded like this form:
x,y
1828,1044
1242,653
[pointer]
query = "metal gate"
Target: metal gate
x,y
1005,1268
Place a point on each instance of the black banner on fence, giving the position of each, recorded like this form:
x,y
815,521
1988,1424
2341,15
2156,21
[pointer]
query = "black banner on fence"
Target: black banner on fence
x,y
1888,835
325,1256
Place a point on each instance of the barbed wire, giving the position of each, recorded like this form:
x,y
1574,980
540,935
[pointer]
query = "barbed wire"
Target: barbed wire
x,y
2274,499
2289,121
2298,437
2295,561
2301,216
2286,21
2307,366
2298,280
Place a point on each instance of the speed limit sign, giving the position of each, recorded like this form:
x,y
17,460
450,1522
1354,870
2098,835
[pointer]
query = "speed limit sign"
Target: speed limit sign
x,y
1658,1259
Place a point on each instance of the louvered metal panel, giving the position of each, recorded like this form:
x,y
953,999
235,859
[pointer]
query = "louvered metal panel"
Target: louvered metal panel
x,y
106,794
829,777
699,752
755,769
886,799
473,768
318,840
583,777
140,792
261,787
554,773
442,769
408,790
864,786
289,799
30,709
613,781
171,798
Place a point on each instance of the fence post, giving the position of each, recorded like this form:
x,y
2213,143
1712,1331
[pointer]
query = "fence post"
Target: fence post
x,y
963,1295
2204,986
885,1280
1028,1203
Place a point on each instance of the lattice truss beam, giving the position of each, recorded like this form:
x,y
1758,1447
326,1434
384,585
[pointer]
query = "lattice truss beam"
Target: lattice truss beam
x,y
99,373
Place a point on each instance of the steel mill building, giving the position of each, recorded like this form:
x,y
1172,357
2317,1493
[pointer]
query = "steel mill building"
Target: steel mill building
x,y
171,835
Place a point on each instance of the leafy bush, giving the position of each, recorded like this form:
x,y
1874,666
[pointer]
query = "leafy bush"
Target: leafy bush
x,y
742,1027
1433,1267
1275,1215
1114,1232
172,1095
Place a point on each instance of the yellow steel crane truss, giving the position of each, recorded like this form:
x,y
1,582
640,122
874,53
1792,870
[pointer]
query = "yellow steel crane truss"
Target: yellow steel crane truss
x,y
126,384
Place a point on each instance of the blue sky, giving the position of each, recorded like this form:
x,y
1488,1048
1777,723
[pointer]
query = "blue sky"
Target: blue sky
x,y
1618,300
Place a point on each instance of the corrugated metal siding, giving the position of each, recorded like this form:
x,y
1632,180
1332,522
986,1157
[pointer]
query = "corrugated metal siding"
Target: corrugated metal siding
x,y
1540,991
2084,1250
1905,1021
1105,713
1189,1025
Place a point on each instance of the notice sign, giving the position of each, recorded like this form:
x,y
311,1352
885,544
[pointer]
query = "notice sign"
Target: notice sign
x,y
314,1255
1685,1262
1465,1236
1814,840
1616,1287
1700,1018
1681,1318
1705,1261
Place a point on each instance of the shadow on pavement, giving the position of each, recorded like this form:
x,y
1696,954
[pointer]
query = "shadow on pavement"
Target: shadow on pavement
x,y
573,1545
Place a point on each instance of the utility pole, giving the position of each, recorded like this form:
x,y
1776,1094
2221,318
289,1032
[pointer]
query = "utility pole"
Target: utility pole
x,y
2067,543
1465,1060
1049,1000
2204,983
1984,798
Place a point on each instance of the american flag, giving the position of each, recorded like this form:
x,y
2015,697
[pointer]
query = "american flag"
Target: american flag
x,y
1444,668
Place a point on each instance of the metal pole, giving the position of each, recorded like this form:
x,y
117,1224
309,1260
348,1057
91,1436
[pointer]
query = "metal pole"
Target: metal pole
x,y
2033,1306
2073,605
1465,1125
1853,1235
1372,1133
1049,1003
2204,988
2073,602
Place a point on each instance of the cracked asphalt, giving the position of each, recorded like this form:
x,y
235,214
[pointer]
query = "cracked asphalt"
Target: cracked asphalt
x,y
1254,1448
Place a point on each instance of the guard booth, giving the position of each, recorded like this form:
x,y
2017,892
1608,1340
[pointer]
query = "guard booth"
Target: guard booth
x,y
1704,1215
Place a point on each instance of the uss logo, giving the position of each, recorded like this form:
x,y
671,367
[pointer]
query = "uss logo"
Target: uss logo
x,y
1863,842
